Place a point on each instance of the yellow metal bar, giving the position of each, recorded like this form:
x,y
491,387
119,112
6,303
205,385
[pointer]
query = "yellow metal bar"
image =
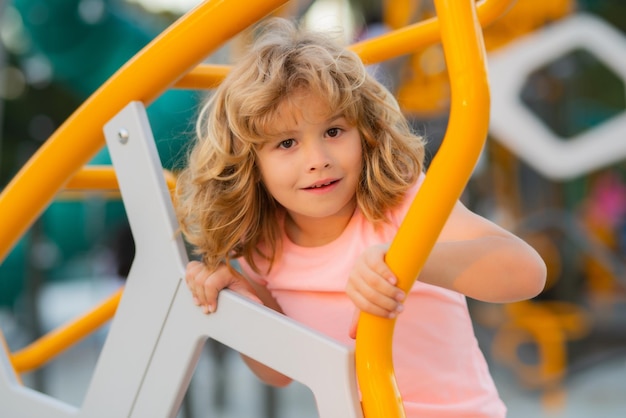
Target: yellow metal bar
x,y
93,177
464,139
103,177
204,76
50,345
399,13
399,42
413,37
152,71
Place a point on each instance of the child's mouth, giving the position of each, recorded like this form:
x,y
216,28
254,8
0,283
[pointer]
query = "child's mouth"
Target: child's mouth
x,y
321,186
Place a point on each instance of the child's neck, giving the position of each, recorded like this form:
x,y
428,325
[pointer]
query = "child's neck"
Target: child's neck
x,y
315,232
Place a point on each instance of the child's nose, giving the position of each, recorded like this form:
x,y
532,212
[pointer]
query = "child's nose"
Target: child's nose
x,y
318,157
317,167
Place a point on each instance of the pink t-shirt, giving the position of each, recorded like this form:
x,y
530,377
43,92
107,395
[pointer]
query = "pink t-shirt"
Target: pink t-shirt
x,y
439,367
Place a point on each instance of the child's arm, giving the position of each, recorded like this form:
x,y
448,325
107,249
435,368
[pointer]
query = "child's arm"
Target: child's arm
x,y
205,286
483,261
472,256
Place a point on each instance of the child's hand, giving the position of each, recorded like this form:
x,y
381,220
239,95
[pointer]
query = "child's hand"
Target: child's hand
x,y
372,285
205,285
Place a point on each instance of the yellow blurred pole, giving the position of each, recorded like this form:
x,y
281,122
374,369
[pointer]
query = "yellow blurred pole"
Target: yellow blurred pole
x,y
93,177
419,35
103,177
204,76
399,13
463,142
50,345
402,41
152,71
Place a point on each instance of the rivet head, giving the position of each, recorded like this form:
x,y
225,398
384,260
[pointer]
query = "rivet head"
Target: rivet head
x,y
123,135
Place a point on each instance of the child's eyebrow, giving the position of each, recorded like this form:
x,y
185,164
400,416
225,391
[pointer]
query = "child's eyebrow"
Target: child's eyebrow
x,y
273,135
277,134
290,132
335,117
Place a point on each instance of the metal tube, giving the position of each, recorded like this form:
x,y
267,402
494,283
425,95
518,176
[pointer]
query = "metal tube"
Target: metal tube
x,y
463,142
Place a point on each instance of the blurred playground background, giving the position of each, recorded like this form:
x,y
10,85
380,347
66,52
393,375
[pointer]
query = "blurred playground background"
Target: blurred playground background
x,y
562,354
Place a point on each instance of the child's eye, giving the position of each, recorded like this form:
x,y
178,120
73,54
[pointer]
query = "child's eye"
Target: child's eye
x,y
286,144
333,132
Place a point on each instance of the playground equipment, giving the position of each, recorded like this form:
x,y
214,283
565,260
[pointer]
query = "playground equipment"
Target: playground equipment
x,y
551,325
62,36
148,358
423,87
517,128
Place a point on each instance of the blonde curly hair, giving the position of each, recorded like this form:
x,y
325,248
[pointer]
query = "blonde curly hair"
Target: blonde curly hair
x,y
222,205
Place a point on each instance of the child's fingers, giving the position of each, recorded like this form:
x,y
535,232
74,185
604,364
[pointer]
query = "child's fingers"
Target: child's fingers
x,y
192,270
374,294
373,284
204,285
207,290
365,305
374,259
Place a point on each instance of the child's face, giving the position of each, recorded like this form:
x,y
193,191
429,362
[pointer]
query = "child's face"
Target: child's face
x,y
314,167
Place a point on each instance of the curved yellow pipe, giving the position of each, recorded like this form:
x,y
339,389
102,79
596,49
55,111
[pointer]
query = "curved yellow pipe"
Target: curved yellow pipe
x,y
413,37
50,345
152,71
463,142
393,44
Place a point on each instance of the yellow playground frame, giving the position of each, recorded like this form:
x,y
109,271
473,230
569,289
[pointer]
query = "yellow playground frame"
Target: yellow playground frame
x,y
172,60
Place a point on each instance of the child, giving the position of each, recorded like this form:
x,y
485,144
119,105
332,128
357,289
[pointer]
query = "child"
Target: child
x,y
303,170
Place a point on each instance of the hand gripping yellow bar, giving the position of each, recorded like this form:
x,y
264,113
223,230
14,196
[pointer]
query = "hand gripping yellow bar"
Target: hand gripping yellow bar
x,y
466,133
